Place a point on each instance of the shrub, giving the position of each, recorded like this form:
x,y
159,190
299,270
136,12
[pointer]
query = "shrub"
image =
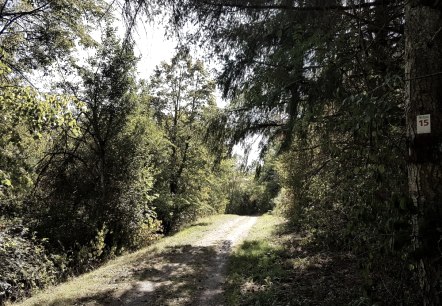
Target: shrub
x,y
26,264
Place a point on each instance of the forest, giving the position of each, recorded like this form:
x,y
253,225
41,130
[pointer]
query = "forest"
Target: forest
x,y
345,98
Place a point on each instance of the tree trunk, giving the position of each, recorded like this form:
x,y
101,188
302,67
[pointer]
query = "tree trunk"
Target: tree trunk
x,y
423,72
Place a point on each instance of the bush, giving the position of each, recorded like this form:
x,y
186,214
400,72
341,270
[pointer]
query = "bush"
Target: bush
x,y
249,196
26,264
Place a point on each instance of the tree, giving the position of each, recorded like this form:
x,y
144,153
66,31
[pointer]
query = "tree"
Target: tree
x,y
423,73
28,118
181,90
102,176
182,100
34,34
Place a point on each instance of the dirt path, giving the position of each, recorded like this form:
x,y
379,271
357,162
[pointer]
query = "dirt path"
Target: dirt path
x,y
191,273
223,240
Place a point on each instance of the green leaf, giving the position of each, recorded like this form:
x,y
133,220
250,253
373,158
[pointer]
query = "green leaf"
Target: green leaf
x,y
6,182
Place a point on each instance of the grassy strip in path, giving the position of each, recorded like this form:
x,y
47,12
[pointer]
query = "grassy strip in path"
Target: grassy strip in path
x,y
104,280
274,266
254,266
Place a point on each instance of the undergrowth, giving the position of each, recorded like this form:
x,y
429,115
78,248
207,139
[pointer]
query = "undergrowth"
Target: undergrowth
x,y
276,267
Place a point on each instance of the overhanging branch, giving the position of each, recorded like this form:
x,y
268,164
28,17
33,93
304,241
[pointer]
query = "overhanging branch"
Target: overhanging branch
x,y
241,5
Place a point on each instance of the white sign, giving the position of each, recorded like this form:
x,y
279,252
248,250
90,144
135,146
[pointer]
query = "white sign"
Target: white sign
x,y
423,124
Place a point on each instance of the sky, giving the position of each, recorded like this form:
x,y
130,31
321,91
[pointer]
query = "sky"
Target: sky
x,y
153,47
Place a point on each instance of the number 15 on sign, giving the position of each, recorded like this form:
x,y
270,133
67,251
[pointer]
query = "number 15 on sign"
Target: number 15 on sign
x,y
423,124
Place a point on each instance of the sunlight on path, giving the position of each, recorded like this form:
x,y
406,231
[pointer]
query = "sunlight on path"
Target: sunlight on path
x,y
224,240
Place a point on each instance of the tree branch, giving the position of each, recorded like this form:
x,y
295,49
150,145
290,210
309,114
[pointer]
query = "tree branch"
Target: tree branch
x,y
17,15
243,6
21,14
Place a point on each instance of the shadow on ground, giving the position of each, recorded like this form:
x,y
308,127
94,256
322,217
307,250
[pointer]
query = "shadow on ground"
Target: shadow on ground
x,y
292,271
178,276
199,224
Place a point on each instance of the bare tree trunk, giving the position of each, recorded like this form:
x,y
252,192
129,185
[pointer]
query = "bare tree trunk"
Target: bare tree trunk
x,y
423,71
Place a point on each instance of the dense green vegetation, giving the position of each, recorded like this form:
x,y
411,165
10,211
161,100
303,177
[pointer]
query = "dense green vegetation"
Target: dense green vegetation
x,y
98,162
